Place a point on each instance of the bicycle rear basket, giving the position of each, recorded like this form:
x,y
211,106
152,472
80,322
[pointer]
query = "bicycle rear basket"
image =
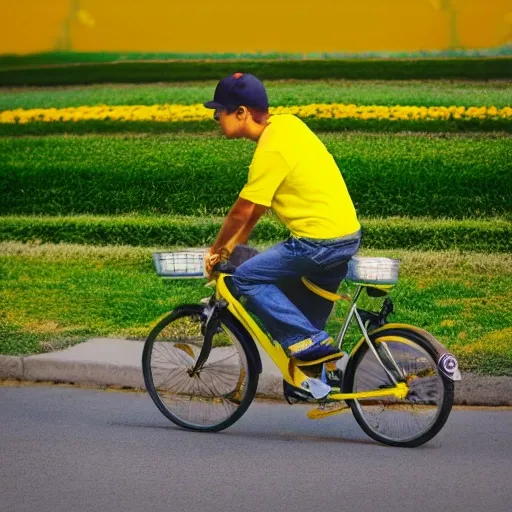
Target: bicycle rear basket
x,y
373,270
179,264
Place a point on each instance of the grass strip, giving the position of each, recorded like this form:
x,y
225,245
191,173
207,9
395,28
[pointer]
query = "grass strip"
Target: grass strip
x,y
57,295
493,235
71,57
387,175
284,92
320,125
313,69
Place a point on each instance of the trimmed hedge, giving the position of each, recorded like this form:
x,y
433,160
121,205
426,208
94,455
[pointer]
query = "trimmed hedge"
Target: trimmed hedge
x,y
73,57
175,71
394,233
280,93
326,125
387,175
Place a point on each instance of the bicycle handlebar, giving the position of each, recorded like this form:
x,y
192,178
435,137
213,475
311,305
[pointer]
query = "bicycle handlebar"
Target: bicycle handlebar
x,y
224,267
240,254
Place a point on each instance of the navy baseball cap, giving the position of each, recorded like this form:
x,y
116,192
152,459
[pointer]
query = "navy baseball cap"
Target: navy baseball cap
x,y
239,89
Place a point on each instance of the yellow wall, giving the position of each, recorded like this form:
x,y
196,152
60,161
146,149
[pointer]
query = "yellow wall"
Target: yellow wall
x,y
262,25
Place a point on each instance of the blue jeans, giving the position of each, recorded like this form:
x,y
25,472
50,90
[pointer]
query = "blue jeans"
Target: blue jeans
x,y
271,284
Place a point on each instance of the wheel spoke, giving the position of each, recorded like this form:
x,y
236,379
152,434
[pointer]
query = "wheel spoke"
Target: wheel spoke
x,y
394,420
211,396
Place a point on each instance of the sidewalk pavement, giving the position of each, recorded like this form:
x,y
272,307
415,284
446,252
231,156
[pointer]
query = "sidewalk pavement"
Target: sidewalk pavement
x,y
112,362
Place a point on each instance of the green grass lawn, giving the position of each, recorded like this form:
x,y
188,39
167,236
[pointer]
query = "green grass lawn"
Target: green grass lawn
x,y
481,235
387,175
56,295
146,71
52,296
280,93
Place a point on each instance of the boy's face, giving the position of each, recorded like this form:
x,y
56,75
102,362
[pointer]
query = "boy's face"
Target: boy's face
x,y
232,125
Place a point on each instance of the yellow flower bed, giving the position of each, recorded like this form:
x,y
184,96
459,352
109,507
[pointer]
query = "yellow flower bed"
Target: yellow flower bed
x,y
172,113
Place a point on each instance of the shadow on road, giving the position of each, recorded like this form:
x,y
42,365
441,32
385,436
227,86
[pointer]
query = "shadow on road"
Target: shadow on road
x,y
290,436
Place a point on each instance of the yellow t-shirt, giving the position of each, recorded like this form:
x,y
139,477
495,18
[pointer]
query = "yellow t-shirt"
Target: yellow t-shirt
x,y
293,173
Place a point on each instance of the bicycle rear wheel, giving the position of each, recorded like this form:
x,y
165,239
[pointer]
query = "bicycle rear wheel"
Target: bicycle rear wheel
x,y
421,415
216,396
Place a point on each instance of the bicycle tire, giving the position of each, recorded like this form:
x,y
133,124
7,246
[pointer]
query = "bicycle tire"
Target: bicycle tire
x,y
251,378
414,341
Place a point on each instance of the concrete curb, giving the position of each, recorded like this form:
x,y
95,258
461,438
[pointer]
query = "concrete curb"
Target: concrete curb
x,y
11,367
105,362
483,390
79,372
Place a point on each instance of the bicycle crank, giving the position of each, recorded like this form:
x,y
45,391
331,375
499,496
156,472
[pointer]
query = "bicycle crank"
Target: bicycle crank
x,y
327,410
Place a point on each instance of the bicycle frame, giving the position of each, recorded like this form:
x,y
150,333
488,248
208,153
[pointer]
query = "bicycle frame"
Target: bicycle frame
x,y
293,373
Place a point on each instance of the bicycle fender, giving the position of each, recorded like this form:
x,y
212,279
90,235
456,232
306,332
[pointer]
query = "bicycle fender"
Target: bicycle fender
x,y
446,361
211,328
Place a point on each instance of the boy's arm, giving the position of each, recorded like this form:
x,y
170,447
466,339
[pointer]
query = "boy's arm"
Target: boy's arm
x,y
237,225
236,229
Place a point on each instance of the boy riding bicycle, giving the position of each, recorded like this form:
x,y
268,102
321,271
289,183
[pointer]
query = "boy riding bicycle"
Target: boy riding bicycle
x,y
293,174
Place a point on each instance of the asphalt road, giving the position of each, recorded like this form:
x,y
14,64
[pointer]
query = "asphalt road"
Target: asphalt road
x,y
68,449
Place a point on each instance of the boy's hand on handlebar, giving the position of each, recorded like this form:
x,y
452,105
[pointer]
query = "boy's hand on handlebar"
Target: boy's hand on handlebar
x,y
210,260
213,258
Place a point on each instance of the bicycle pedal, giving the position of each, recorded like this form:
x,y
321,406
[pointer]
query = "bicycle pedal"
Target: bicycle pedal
x,y
326,411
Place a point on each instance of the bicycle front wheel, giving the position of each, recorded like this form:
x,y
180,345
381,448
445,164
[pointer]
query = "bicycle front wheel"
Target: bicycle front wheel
x,y
219,393
421,415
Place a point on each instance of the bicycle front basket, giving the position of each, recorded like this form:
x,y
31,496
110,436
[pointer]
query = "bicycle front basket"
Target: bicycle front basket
x,y
179,264
373,270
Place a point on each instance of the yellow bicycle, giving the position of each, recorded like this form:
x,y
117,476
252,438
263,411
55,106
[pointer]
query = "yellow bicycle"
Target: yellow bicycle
x,y
201,364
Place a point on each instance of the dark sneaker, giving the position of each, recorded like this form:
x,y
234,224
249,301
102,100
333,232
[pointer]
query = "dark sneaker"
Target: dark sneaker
x,y
314,349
